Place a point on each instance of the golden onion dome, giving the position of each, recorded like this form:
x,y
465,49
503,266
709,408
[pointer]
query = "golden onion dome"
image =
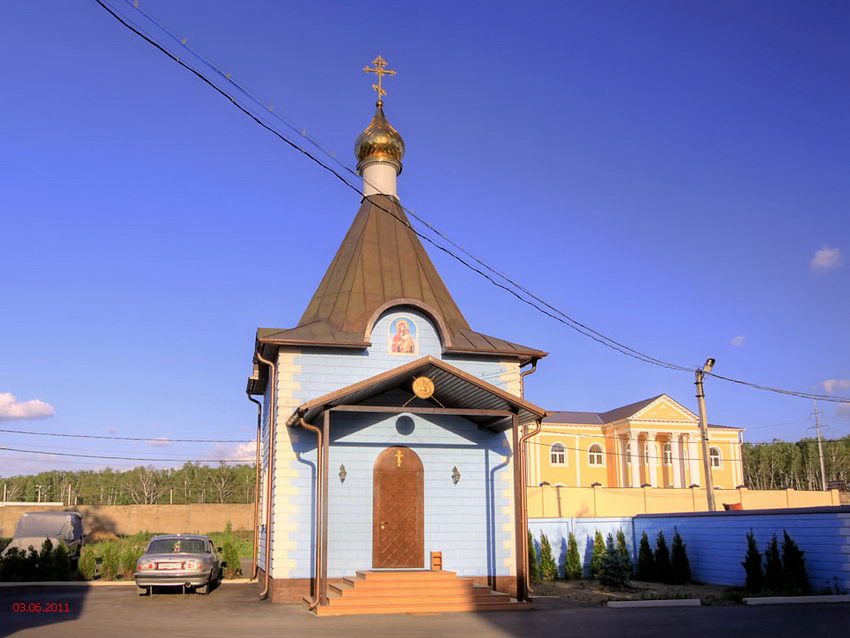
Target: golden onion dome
x,y
379,142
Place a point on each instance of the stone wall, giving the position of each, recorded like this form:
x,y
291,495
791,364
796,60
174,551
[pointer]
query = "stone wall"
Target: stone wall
x,y
196,518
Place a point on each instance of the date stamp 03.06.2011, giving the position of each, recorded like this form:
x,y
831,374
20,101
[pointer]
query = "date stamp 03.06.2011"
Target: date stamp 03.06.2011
x,y
36,607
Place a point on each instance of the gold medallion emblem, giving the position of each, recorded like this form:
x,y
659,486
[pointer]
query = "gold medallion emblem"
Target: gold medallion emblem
x,y
423,387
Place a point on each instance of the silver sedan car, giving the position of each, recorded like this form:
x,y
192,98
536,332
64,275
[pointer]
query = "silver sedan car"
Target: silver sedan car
x,y
179,560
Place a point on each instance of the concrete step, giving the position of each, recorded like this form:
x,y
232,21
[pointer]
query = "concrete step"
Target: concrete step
x,y
414,608
406,582
487,596
405,574
409,589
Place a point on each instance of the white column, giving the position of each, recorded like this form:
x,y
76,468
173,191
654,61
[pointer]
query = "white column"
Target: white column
x,y
380,178
652,448
693,460
635,459
676,451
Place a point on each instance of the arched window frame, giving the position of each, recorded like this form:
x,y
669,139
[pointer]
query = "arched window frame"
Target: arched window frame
x,y
596,455
668,454
558,454
628,453
716,457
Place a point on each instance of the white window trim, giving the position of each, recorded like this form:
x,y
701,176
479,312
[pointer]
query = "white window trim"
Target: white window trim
x,y
552,452
718,456
668,459
591,452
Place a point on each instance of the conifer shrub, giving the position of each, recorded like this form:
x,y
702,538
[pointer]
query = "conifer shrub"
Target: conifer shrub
x,y
794,567
597,555
45,569
752,566
87,565
230,555
623,548
663,568
572,564
29,566
533,562
548,566
646,560
62,562
774,577
10,568
680,566
614,571
110,563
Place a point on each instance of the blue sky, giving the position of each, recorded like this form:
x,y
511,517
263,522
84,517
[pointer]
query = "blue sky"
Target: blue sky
x,y
673,174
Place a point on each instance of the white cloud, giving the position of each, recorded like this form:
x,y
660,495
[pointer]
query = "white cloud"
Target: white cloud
x,y
826,259
244,452
738,341
11,409
835,385
161,441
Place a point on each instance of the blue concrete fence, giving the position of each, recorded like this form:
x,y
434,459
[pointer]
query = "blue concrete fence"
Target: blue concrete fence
x,y
716,541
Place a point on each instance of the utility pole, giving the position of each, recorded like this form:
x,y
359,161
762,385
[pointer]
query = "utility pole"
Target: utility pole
x,y
820,447
39,487
703,429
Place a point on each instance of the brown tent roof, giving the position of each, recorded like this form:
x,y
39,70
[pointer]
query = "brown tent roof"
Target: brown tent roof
x,y
382,263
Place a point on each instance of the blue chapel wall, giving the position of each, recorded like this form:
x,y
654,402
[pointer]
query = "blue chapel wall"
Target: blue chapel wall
x,y
324,370
716,542
464,521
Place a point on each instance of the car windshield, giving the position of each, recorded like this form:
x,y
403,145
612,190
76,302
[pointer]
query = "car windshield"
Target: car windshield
x,y
177,546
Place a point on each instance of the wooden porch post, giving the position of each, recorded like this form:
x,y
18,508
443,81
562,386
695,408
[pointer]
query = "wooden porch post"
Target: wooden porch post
x,y
323,591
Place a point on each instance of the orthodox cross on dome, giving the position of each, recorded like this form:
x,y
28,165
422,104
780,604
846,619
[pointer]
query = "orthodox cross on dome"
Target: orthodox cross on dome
x,y
380,70
398,456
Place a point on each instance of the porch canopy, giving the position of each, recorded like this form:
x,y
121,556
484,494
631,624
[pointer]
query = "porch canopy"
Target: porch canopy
x,y
455,392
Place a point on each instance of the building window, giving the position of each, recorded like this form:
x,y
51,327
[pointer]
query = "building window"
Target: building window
x,y
595,455
646,454
668,454
628,453
714,455
558,454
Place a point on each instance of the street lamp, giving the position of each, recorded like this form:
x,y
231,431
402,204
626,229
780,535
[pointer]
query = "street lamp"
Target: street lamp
x,y
703,429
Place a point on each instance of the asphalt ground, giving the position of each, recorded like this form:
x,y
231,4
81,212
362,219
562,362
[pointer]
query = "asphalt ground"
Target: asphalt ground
x,y
234,610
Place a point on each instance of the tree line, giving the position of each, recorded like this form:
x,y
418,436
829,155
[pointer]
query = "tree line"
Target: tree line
x,y
192,483
779,465
767,466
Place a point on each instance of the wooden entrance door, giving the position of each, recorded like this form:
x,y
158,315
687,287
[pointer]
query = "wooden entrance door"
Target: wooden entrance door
x,y
398,520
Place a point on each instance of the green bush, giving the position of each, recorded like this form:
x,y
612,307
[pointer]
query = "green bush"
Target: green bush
x,y
10,567
680,566
646,560
62,562
752,566
533,563
572,564
87,565
597,555
45,569
110,563
774,578
794,567
128,557
623,548
230,555
548,566
663,568
614,571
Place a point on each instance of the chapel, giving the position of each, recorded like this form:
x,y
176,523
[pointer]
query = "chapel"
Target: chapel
x,y
392,432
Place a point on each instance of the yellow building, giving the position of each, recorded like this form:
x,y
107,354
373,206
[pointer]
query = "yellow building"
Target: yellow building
x,y
654,443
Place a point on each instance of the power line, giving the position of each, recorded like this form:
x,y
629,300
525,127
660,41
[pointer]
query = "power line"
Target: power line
x,y
126,438
126,458
546,308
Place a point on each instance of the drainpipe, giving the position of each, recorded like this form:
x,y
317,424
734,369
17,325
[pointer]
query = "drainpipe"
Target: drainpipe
x,y
270,470
256,488
524,493
524,374
320,473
